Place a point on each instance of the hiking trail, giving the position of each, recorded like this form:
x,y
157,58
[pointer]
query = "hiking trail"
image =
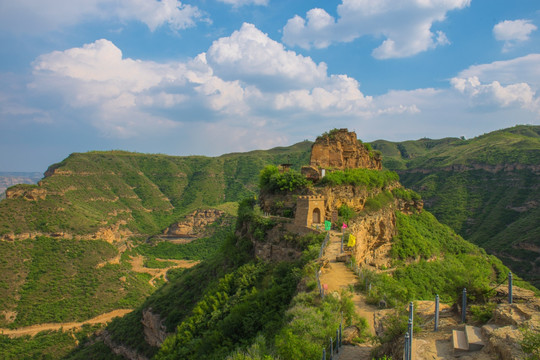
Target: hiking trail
x,y
337,276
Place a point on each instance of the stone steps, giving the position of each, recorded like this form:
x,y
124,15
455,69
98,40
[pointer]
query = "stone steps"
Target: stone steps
x,y
470,339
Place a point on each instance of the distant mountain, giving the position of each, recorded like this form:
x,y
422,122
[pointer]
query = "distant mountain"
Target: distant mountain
x,y
88,193
8,179
485,188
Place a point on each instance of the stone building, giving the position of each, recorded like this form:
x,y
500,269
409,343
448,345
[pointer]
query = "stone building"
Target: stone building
x,y
310,210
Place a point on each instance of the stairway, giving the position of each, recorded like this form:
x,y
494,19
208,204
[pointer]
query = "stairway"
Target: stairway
x,y
468,340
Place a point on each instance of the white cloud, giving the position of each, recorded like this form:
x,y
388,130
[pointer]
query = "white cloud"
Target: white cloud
x,y
504,83
513,32
227,88
36,16
237,3
521,69
251,56
124,96
405,25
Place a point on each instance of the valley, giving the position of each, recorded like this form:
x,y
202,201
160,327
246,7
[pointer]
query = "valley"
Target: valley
x,y
207,278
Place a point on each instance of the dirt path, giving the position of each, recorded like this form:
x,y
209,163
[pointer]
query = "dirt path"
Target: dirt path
x,y
35,329
337,276
137,264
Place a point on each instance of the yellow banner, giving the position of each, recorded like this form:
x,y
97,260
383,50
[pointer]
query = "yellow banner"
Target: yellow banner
x,y
352,240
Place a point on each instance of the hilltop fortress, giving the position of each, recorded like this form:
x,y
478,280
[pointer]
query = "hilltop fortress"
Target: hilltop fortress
x,y
307,209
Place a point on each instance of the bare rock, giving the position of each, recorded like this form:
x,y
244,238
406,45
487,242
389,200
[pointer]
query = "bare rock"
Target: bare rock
x,y
349,334
154,329
120,349
345,257
33,193
194,223
505,342
341,150
516,315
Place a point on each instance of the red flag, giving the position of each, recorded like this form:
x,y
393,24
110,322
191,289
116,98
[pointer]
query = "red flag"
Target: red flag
x,y
344,225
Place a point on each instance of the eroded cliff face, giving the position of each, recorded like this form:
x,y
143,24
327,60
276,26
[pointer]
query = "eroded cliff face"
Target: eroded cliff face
x,y
374,235
154,329
341,150
194,224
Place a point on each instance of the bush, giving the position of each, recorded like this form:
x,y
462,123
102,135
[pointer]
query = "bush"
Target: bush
x,y
531,343
360,177
483,313
271,180
406,194
346,212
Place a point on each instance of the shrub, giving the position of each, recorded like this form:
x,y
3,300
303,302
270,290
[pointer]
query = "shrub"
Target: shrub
x,y
270,179
346,212
360,177
483,313
531,343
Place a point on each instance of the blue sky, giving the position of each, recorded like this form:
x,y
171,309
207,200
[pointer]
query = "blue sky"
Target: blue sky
x,y
216,76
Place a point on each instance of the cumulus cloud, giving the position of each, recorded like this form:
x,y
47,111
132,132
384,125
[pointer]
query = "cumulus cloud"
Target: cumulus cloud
x,y
513,32
251,56
227,87
405,25
35,16
503,83
246,74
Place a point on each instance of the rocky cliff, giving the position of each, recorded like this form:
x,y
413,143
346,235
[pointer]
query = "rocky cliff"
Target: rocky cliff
x,y
339,150
194,224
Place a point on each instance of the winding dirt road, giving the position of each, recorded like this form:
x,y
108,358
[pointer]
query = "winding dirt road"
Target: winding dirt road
x,y
35,329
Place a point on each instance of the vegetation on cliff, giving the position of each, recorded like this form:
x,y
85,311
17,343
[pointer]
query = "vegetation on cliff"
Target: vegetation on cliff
x,y
485,188
429,259
274,181
360,177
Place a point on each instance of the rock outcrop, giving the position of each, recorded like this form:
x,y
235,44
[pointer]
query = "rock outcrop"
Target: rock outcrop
x,y
339,150
374,235
119,349
194,224
154,329
32,193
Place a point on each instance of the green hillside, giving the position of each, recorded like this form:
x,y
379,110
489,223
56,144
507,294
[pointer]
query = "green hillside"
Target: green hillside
x,y
485,188
139,192
237,307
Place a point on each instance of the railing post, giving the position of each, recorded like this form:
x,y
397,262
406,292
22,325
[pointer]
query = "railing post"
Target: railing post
x,y
406,347
510,287
464,306
436,312
337,341
411,310
323,354
410,327
331,349
340,335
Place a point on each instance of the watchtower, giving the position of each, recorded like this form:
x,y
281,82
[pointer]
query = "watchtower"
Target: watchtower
x,y
310,210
